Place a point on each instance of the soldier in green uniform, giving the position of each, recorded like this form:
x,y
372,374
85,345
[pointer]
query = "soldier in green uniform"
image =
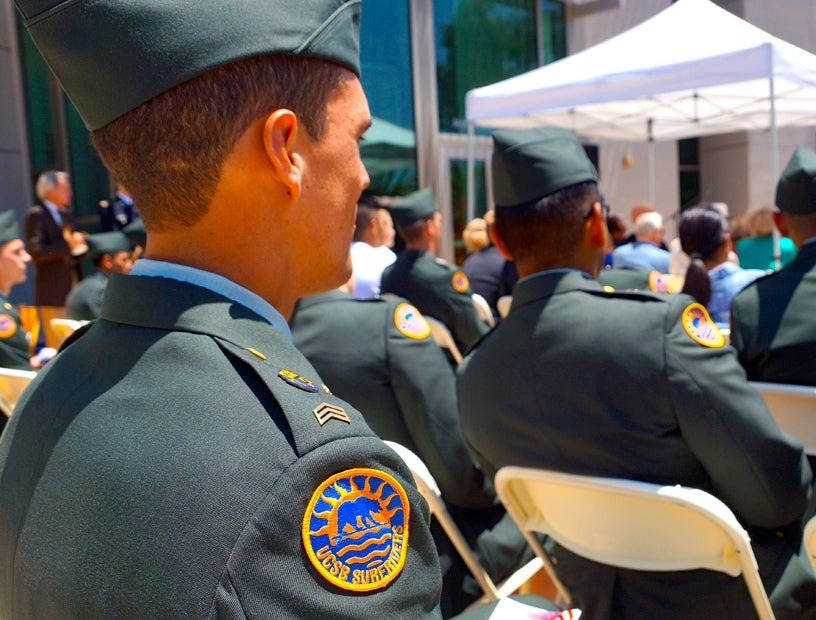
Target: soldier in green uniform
x,y
773,327
110,253
379,356
627,385
180,458
433,285
14,340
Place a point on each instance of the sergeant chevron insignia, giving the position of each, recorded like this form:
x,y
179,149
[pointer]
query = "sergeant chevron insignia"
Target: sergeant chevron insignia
x,y
325,412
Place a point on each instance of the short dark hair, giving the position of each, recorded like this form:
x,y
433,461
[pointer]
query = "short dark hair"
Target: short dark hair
x,y
553,224
169,151
413,232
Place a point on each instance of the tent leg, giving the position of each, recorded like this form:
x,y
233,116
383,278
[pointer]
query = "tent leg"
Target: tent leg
x,y
471,183
651,165
777,250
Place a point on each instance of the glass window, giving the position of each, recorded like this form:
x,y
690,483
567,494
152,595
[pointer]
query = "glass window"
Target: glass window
x,y
389,147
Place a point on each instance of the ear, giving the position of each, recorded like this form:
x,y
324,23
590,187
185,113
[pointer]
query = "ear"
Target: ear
x,y
280,132
107,262
499,242
781,224
595,226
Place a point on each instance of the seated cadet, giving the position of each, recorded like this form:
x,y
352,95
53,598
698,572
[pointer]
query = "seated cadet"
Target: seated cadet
x,y
625,385
110,252
179,458
378,355
773,327
433,285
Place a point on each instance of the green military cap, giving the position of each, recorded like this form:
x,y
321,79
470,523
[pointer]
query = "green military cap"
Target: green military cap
x,y
108,243
113,55
413,207
796,190
529,164
135,231
9,228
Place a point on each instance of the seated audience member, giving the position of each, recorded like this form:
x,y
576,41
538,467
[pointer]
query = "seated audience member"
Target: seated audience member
x,y
773,325
118,212
491,275
371,249
756,250
645,251
434,286
474,236
582,353
711,278
110,253
379,356
634,213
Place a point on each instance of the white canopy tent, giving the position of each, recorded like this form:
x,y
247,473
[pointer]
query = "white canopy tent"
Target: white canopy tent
x,y
691,70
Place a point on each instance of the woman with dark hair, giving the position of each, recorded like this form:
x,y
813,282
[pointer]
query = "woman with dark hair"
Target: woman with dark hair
x,y
711,278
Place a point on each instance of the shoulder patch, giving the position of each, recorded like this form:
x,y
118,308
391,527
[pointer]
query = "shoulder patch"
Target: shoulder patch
x,y
698,324
459,281
410,322
664,282
8,326
355,529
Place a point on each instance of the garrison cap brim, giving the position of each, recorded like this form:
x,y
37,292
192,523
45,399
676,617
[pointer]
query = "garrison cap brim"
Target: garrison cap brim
x,y
113,55
108,243
413,207
9,228
529,164
796,189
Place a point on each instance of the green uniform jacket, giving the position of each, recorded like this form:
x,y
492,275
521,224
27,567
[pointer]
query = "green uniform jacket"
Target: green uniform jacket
x,y
585,381
406,389
165,466
84,302
429,283
14,350
773,327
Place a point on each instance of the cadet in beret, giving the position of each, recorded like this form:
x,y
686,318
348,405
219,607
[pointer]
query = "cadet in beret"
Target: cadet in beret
x,y
14,340
433,285
625,385
110,253
378,355
180,458
773,327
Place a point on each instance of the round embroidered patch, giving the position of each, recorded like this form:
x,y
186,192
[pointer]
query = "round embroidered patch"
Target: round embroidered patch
x,y
355,529
664,282
460,281
410,322
8,326
700,327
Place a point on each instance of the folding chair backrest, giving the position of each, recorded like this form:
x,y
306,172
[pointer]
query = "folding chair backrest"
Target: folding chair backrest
x,y
503,305
632,524
65,327
12,384
810,541
794,409
442,336
483,309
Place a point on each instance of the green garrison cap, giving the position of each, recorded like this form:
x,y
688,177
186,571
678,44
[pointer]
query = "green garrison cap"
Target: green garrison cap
x,y
796,190
113,55
413,207
135,231
9,229
108,243
529,164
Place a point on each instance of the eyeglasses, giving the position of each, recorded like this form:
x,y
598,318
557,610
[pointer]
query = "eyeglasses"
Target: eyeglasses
x,y
604,209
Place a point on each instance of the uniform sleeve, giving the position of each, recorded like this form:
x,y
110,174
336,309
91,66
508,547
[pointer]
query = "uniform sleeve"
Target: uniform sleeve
x,y
464,322
342,534
761,473
741,338
425,388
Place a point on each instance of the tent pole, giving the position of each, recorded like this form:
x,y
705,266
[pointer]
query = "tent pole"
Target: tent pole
x,y
777,250
651,164
471,184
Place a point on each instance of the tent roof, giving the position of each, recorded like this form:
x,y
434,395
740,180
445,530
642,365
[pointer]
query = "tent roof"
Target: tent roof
x,y
692,69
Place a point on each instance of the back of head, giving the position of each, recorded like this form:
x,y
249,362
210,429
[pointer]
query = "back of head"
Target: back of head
x,y
796,195
760,221
647,223
475,235
639,209
410,213
702,231
152,79
367,208
47,181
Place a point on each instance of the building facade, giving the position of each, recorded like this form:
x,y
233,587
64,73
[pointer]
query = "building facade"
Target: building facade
x,y
419,58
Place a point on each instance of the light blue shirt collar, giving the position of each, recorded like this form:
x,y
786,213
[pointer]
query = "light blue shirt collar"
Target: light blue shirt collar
x,y
216,284
54,211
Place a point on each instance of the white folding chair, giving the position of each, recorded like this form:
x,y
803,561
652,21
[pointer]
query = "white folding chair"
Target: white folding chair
x,y
430,491
632,524
65,327
483,309
442,336
12,384
503,305
810,541
794,409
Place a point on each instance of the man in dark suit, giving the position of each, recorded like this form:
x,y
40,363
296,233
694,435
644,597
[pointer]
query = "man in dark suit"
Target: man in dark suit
x,y
118,212
433,285
628,385
52,240
773,327
180,458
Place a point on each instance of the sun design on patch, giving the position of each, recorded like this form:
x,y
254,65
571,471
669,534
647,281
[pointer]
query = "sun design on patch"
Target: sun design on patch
x,y
356,530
